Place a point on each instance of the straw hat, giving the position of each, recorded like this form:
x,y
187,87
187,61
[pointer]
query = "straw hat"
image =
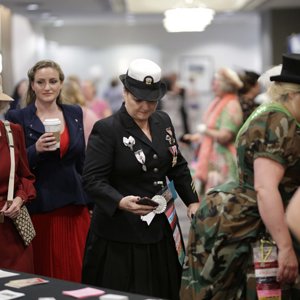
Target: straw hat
x,y
4,97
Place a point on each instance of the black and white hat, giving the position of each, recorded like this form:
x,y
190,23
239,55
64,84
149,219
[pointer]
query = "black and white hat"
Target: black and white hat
x,y
290,71
143,80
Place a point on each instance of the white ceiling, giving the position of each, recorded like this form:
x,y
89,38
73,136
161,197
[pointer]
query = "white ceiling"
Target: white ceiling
x,y
76,12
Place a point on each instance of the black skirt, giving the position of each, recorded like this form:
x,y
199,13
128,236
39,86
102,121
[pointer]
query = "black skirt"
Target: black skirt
x,y
147,269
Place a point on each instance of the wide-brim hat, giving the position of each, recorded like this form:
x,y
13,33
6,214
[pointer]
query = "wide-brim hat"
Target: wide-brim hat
x,y
4,97
290,71
143,80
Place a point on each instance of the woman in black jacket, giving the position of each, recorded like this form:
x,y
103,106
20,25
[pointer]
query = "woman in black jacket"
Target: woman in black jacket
x,y
131,155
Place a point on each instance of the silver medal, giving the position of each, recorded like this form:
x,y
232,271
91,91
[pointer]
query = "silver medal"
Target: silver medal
x,y
141,158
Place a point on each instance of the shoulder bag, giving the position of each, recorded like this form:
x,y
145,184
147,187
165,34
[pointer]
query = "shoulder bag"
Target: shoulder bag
x,y
23,221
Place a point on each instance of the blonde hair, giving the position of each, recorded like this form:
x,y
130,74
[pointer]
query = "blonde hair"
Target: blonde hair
x,y
278,91
71,93
229,80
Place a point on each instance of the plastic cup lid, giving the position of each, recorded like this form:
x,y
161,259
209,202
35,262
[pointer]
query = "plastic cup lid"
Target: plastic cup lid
x,y
54,121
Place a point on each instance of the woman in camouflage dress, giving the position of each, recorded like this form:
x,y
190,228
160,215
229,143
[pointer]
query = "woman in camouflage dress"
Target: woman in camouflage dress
x,y
232,216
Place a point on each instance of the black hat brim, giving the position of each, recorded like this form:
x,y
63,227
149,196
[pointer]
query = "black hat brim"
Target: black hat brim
x,y
143,91
286,78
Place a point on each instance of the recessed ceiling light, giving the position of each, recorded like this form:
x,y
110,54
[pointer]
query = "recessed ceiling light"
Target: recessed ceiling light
x,y
46,15
58,23
32,6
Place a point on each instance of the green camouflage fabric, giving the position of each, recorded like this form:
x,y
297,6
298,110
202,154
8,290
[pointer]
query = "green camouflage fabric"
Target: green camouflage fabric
x,y
218,264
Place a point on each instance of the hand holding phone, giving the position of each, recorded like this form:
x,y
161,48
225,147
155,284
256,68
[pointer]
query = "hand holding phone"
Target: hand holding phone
x,y
147,201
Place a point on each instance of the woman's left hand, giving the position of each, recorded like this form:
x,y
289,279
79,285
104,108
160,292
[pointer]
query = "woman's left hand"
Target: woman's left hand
x,y
12,209
287,265
192,208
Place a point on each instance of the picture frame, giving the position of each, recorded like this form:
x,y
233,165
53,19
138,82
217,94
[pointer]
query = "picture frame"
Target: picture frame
x,y
199,69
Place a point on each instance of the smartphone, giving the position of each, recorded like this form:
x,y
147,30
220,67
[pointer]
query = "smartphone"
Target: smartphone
x,y
147,201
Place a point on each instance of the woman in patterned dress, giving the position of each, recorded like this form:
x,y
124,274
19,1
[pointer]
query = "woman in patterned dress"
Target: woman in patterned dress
x,y
216,161
219,257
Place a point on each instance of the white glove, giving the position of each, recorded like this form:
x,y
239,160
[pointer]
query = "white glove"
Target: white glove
x,y
201,128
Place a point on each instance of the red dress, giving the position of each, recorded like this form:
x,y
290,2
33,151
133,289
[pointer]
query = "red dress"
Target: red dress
x,y
14,254
59,244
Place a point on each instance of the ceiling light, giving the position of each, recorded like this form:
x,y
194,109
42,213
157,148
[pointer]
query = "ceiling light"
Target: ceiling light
x,y
46,15
59,23
32,6
188,19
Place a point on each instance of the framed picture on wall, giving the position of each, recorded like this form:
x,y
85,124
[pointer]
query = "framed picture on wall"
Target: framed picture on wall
x,y
197,69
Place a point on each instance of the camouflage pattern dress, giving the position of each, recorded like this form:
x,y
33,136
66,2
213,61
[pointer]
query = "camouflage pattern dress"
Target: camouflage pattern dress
x,y
218,265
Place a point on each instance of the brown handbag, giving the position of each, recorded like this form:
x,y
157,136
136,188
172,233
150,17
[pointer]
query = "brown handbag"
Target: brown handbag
x,y
23,221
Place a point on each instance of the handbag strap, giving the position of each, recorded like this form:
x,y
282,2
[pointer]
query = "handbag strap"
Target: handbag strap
x,y
10,192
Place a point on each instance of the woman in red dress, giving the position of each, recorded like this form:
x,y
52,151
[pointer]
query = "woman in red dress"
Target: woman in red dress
x,y
60,213
14,254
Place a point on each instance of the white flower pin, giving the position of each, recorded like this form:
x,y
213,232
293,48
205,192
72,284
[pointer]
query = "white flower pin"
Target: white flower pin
x,y
129,142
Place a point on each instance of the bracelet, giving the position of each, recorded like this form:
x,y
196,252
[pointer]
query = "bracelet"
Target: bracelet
x,y
201,128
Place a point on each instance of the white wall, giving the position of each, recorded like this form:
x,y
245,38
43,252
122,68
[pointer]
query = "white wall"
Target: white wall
x,y
27,44
104,51
97,64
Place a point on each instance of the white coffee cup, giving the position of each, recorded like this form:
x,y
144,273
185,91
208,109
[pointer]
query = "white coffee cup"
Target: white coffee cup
x,y
54,126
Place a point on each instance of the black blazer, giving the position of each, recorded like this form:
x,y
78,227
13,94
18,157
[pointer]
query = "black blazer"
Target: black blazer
x,y
58,180
112,171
